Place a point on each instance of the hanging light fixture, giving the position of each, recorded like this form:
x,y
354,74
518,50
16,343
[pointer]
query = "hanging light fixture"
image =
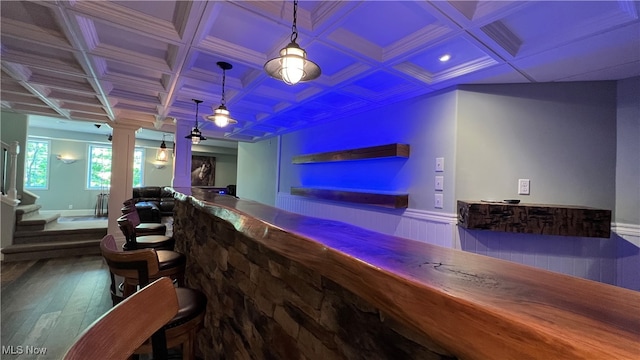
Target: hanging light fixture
x,y
196,135
292,66
221,114
162,154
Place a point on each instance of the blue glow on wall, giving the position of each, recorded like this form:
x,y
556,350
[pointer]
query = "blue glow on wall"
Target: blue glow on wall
x,y
363,175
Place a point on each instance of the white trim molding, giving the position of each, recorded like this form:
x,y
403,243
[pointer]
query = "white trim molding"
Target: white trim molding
x,y
630,232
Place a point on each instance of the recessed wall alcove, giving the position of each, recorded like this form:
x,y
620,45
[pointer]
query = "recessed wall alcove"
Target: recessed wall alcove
x,y
389,199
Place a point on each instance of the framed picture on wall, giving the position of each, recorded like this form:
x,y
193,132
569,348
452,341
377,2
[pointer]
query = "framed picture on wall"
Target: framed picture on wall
x,y
203,170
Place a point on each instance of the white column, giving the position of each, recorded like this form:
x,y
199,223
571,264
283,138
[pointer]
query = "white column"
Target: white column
x,y
14,150
122,154
182,159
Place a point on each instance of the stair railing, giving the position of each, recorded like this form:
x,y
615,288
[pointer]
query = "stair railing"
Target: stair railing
x,y
9,173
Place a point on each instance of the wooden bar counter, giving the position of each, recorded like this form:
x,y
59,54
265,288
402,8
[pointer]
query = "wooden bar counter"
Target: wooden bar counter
x,y
283,282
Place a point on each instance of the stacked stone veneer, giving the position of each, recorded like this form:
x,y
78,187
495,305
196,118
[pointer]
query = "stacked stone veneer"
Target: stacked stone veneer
x,y
265,306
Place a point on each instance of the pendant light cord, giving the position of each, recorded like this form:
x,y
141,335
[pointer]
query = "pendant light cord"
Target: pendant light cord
x,y
294,27
224,77
197,114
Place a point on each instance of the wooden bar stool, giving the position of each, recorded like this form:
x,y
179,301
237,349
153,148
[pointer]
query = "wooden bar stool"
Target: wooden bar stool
x,y
169,264
127,224
139,267
144,228
146,313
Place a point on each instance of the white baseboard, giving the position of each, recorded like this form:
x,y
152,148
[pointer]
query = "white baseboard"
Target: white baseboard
x,y
629,232
77,212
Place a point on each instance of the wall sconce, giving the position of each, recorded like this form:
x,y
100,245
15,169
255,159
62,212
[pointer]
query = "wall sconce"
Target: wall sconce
x,y
159,165
66,160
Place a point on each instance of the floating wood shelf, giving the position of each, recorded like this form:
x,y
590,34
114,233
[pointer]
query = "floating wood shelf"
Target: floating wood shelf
x,y
395,201
540,219
372,152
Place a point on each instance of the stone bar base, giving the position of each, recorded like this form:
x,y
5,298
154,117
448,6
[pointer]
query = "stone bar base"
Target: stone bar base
x,y
265,306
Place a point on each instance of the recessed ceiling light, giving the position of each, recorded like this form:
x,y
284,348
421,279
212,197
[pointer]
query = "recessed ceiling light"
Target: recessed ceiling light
x,y
444,58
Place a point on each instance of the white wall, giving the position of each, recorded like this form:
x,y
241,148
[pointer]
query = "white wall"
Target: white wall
x,y
13,127
427,124
226,169
561,136
628,153
257,171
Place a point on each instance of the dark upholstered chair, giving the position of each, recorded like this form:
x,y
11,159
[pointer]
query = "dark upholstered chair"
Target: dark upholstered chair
x,y
146,313
128,223
141,266
153,202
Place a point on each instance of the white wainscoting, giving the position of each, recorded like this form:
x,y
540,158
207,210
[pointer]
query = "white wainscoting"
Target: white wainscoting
x,y
627,238
429,227
613,261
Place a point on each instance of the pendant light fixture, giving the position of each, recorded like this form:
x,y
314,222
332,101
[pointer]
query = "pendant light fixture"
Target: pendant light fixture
x,y
196,135
292,66
162,154
221,114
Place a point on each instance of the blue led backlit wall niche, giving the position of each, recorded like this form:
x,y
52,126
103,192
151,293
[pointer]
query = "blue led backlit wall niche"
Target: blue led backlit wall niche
x,y
361,175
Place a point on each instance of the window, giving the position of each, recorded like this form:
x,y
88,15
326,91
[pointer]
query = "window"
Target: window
x,y
138,157
36,167
100,167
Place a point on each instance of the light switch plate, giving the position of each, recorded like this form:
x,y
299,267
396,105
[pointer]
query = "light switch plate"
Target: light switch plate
x,y
439,183
439,164
524,187
438,201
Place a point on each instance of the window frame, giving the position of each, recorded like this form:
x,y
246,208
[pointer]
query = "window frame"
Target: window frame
x,y
90,156
47,174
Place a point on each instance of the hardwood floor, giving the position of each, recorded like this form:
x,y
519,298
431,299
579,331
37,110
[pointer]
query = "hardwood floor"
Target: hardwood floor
x,y
47,303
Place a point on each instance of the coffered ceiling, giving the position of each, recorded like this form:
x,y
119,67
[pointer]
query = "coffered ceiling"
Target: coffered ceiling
x,y
142,62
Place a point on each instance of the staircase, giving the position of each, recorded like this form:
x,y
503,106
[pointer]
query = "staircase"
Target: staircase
x,y
28,218
39,235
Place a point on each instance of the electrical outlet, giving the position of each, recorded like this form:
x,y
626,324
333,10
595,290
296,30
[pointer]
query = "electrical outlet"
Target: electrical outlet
x,y
438,201
439,183
439,164
523,187
70,207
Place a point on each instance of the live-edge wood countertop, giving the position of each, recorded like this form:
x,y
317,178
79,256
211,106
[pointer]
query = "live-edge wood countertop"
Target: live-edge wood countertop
x,y
473,306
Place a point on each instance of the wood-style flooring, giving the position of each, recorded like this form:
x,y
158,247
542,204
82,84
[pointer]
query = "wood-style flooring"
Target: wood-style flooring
x,y
47,303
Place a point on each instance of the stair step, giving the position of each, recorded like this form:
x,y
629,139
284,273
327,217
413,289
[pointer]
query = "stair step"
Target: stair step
x,y
24,211
53,249
36,221
34,237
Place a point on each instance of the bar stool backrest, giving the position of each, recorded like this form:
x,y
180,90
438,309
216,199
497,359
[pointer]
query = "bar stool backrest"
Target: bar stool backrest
x,y
144,315
129,202
128,229
134,217
135,264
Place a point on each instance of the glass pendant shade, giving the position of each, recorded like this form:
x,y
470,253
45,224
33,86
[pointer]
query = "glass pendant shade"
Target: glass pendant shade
x,y
221,116
196,135
292,66
162,154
